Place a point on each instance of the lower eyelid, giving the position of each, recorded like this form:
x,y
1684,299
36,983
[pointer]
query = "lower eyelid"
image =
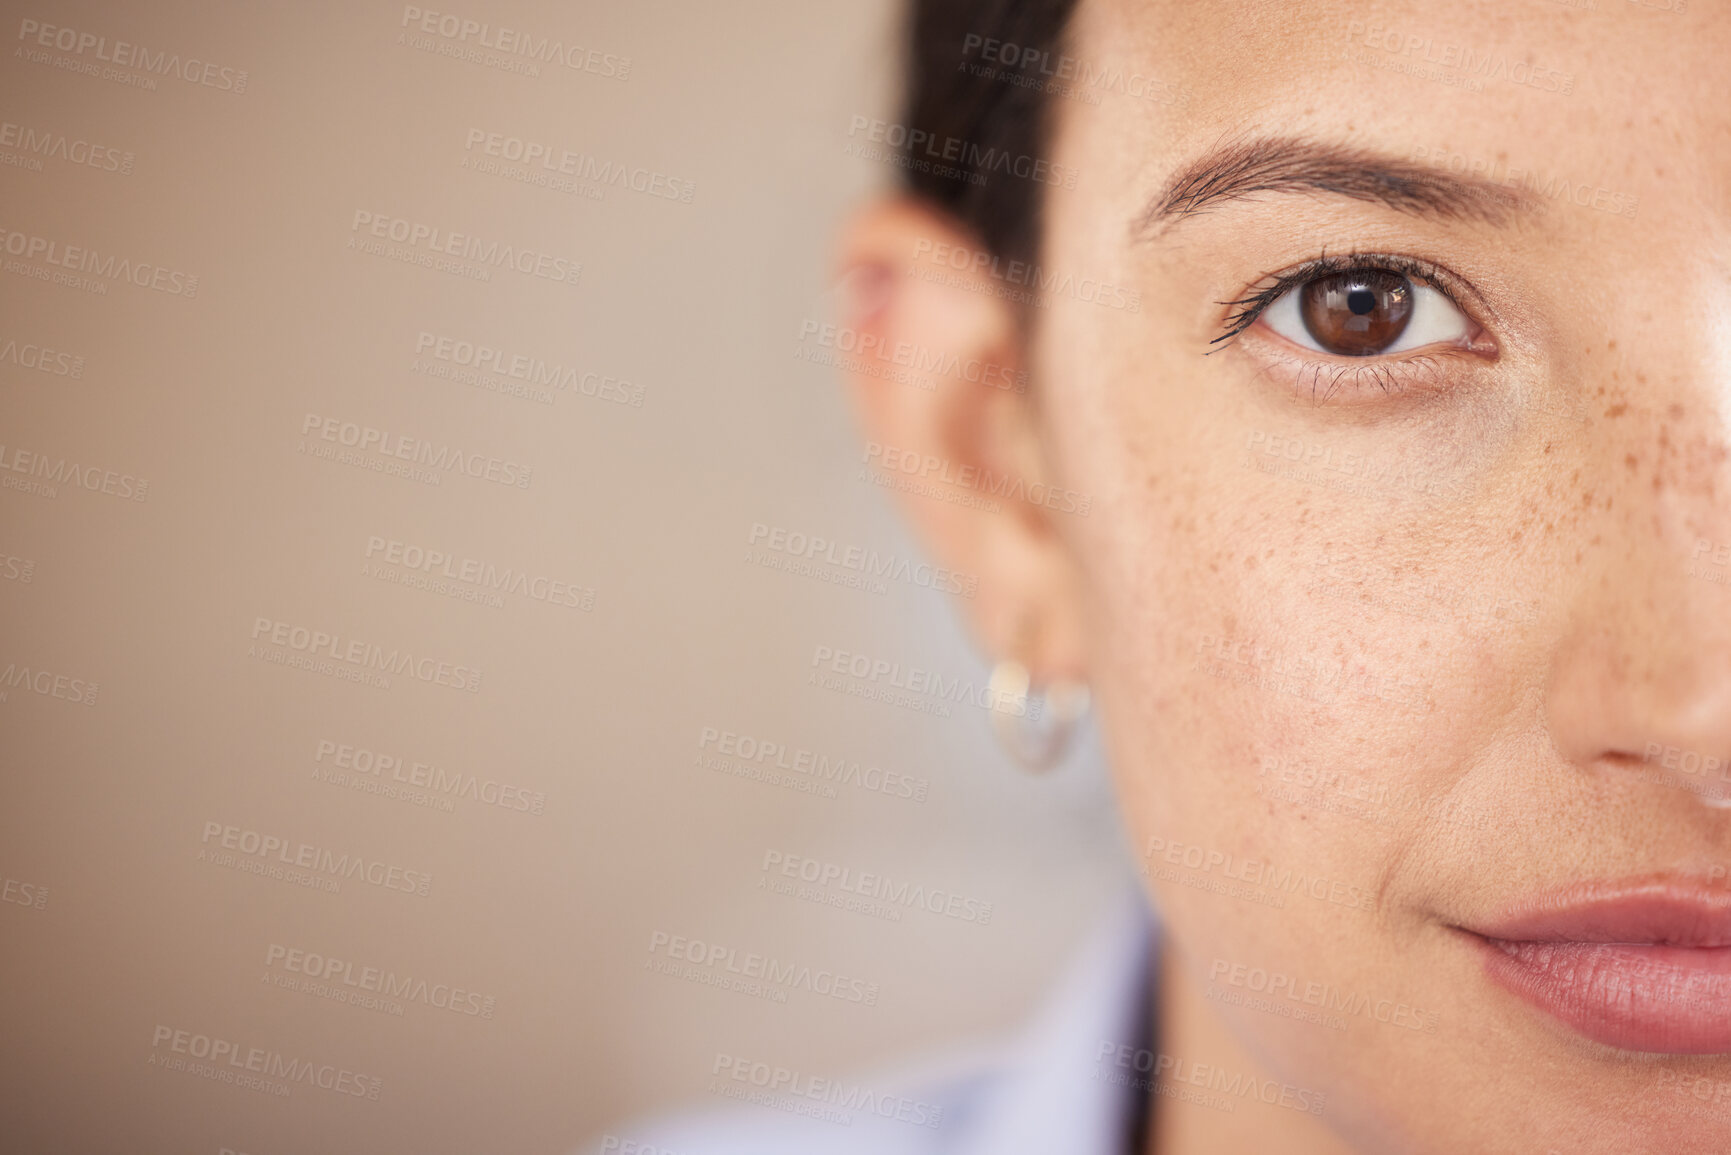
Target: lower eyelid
x,y
1322,378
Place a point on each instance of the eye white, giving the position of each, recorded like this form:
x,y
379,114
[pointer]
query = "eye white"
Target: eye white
x,y
1434,320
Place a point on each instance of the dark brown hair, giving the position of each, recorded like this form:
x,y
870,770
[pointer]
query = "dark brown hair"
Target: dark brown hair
x,y
957,90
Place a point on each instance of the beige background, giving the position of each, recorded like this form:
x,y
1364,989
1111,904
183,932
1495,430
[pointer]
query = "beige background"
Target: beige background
x,y
115,927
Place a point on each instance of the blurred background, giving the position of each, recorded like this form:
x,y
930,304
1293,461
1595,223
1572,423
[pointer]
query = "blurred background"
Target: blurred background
x,y
416,669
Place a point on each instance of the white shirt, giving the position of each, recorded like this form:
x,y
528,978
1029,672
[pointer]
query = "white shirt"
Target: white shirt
x,y
1048,1092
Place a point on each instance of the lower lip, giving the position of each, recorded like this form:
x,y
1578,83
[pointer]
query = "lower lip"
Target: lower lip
x,y
1636,996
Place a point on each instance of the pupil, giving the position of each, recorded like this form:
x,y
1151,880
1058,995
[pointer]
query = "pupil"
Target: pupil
x,y
1361,301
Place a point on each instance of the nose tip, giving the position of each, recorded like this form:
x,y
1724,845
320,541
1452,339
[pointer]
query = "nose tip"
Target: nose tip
x,y
1636,697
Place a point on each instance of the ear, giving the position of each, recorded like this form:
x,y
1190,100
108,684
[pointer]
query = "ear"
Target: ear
x,y
938,378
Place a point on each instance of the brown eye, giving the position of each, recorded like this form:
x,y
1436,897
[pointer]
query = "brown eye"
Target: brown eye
x,y
1358,313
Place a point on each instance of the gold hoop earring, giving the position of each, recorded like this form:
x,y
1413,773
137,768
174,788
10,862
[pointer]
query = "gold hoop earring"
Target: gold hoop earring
x,y
1035,729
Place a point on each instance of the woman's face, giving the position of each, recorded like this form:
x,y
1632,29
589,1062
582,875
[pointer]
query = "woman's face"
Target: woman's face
x,y
1406,635
1408,606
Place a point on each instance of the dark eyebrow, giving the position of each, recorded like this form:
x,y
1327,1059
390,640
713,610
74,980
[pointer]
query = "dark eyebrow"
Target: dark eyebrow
x,y
1292,165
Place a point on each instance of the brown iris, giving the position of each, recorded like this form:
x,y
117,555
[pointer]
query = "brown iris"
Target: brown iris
x,y
1358,313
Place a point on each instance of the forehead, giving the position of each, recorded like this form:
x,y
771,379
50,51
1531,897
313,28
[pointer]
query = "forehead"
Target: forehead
x,y
1619,94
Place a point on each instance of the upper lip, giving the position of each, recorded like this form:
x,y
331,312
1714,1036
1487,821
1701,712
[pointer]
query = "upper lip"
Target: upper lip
x,y
1670,911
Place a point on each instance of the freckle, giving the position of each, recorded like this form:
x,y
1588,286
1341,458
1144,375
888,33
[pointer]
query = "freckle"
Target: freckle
x,y
1617,410
1611,344
1249,562
1676,412
1547,450
1632,461
1587,498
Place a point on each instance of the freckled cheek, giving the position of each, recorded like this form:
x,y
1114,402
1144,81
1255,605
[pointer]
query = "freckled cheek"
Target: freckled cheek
x,y
1185,631
1219,658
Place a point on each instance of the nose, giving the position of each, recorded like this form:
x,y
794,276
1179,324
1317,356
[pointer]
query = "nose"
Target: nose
x,y
1634,692
1642,676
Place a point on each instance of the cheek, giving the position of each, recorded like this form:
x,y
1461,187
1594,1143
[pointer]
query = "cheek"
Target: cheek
x,y
1288,675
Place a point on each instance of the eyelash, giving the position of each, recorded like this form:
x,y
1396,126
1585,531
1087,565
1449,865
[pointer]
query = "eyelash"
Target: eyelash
x,y
1252,306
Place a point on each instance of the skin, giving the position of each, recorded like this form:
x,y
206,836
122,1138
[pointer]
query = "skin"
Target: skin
x,y
1497,628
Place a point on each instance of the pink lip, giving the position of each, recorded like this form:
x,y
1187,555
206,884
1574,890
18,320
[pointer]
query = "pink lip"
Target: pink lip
x,y
1644,966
